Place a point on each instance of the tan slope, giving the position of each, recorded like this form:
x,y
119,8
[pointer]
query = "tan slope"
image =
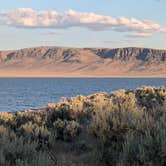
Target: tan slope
x,y
80,62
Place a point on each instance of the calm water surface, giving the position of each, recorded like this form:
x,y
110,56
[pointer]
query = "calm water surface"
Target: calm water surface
x,y
27,93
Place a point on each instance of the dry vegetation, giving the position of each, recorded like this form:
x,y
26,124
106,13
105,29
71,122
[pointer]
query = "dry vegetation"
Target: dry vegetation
x,y
125,128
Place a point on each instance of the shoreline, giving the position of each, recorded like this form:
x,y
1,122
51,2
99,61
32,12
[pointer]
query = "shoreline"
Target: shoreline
x,y
82,77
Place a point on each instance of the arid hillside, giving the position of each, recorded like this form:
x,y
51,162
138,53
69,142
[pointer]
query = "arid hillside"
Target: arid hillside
x,y
123,128
81,62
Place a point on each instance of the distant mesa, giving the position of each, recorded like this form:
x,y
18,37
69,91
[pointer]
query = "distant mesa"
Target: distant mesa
x,y
83,62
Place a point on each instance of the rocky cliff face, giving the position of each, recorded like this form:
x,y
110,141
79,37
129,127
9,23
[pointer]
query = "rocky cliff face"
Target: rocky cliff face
x,y
61,61
125,54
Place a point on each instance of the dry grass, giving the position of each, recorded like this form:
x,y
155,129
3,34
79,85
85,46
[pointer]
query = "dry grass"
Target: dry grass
x,y
120,129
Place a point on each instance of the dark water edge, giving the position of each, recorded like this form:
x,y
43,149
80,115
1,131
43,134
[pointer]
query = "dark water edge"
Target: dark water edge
x,y
18,94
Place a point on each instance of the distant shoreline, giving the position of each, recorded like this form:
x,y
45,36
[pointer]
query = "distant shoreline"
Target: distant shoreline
x,y
82,77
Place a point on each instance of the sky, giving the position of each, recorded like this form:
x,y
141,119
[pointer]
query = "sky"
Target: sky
x,y
82,23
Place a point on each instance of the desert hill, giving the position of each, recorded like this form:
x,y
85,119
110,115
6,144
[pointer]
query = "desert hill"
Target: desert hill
x,y
81,62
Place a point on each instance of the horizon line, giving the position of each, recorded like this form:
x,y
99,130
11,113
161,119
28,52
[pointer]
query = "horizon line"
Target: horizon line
x,y
76,47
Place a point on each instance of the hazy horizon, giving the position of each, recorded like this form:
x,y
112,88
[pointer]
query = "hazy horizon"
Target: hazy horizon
x,y
60,46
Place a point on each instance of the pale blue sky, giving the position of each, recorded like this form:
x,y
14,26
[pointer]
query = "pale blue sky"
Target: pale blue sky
x,y
14,37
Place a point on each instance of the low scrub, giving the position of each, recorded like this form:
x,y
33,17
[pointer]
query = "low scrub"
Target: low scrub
x,y
123,128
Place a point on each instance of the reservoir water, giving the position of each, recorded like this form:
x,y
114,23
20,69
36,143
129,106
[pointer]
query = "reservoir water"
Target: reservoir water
x,y
18,94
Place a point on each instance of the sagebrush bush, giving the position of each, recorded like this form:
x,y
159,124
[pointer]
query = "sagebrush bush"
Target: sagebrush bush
x,y
128,133
66,130
123,128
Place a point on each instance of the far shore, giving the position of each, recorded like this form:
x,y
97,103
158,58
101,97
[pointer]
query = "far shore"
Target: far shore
x,y
6,75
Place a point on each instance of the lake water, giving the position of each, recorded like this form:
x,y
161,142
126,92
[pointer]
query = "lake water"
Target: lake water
x,y
28,93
